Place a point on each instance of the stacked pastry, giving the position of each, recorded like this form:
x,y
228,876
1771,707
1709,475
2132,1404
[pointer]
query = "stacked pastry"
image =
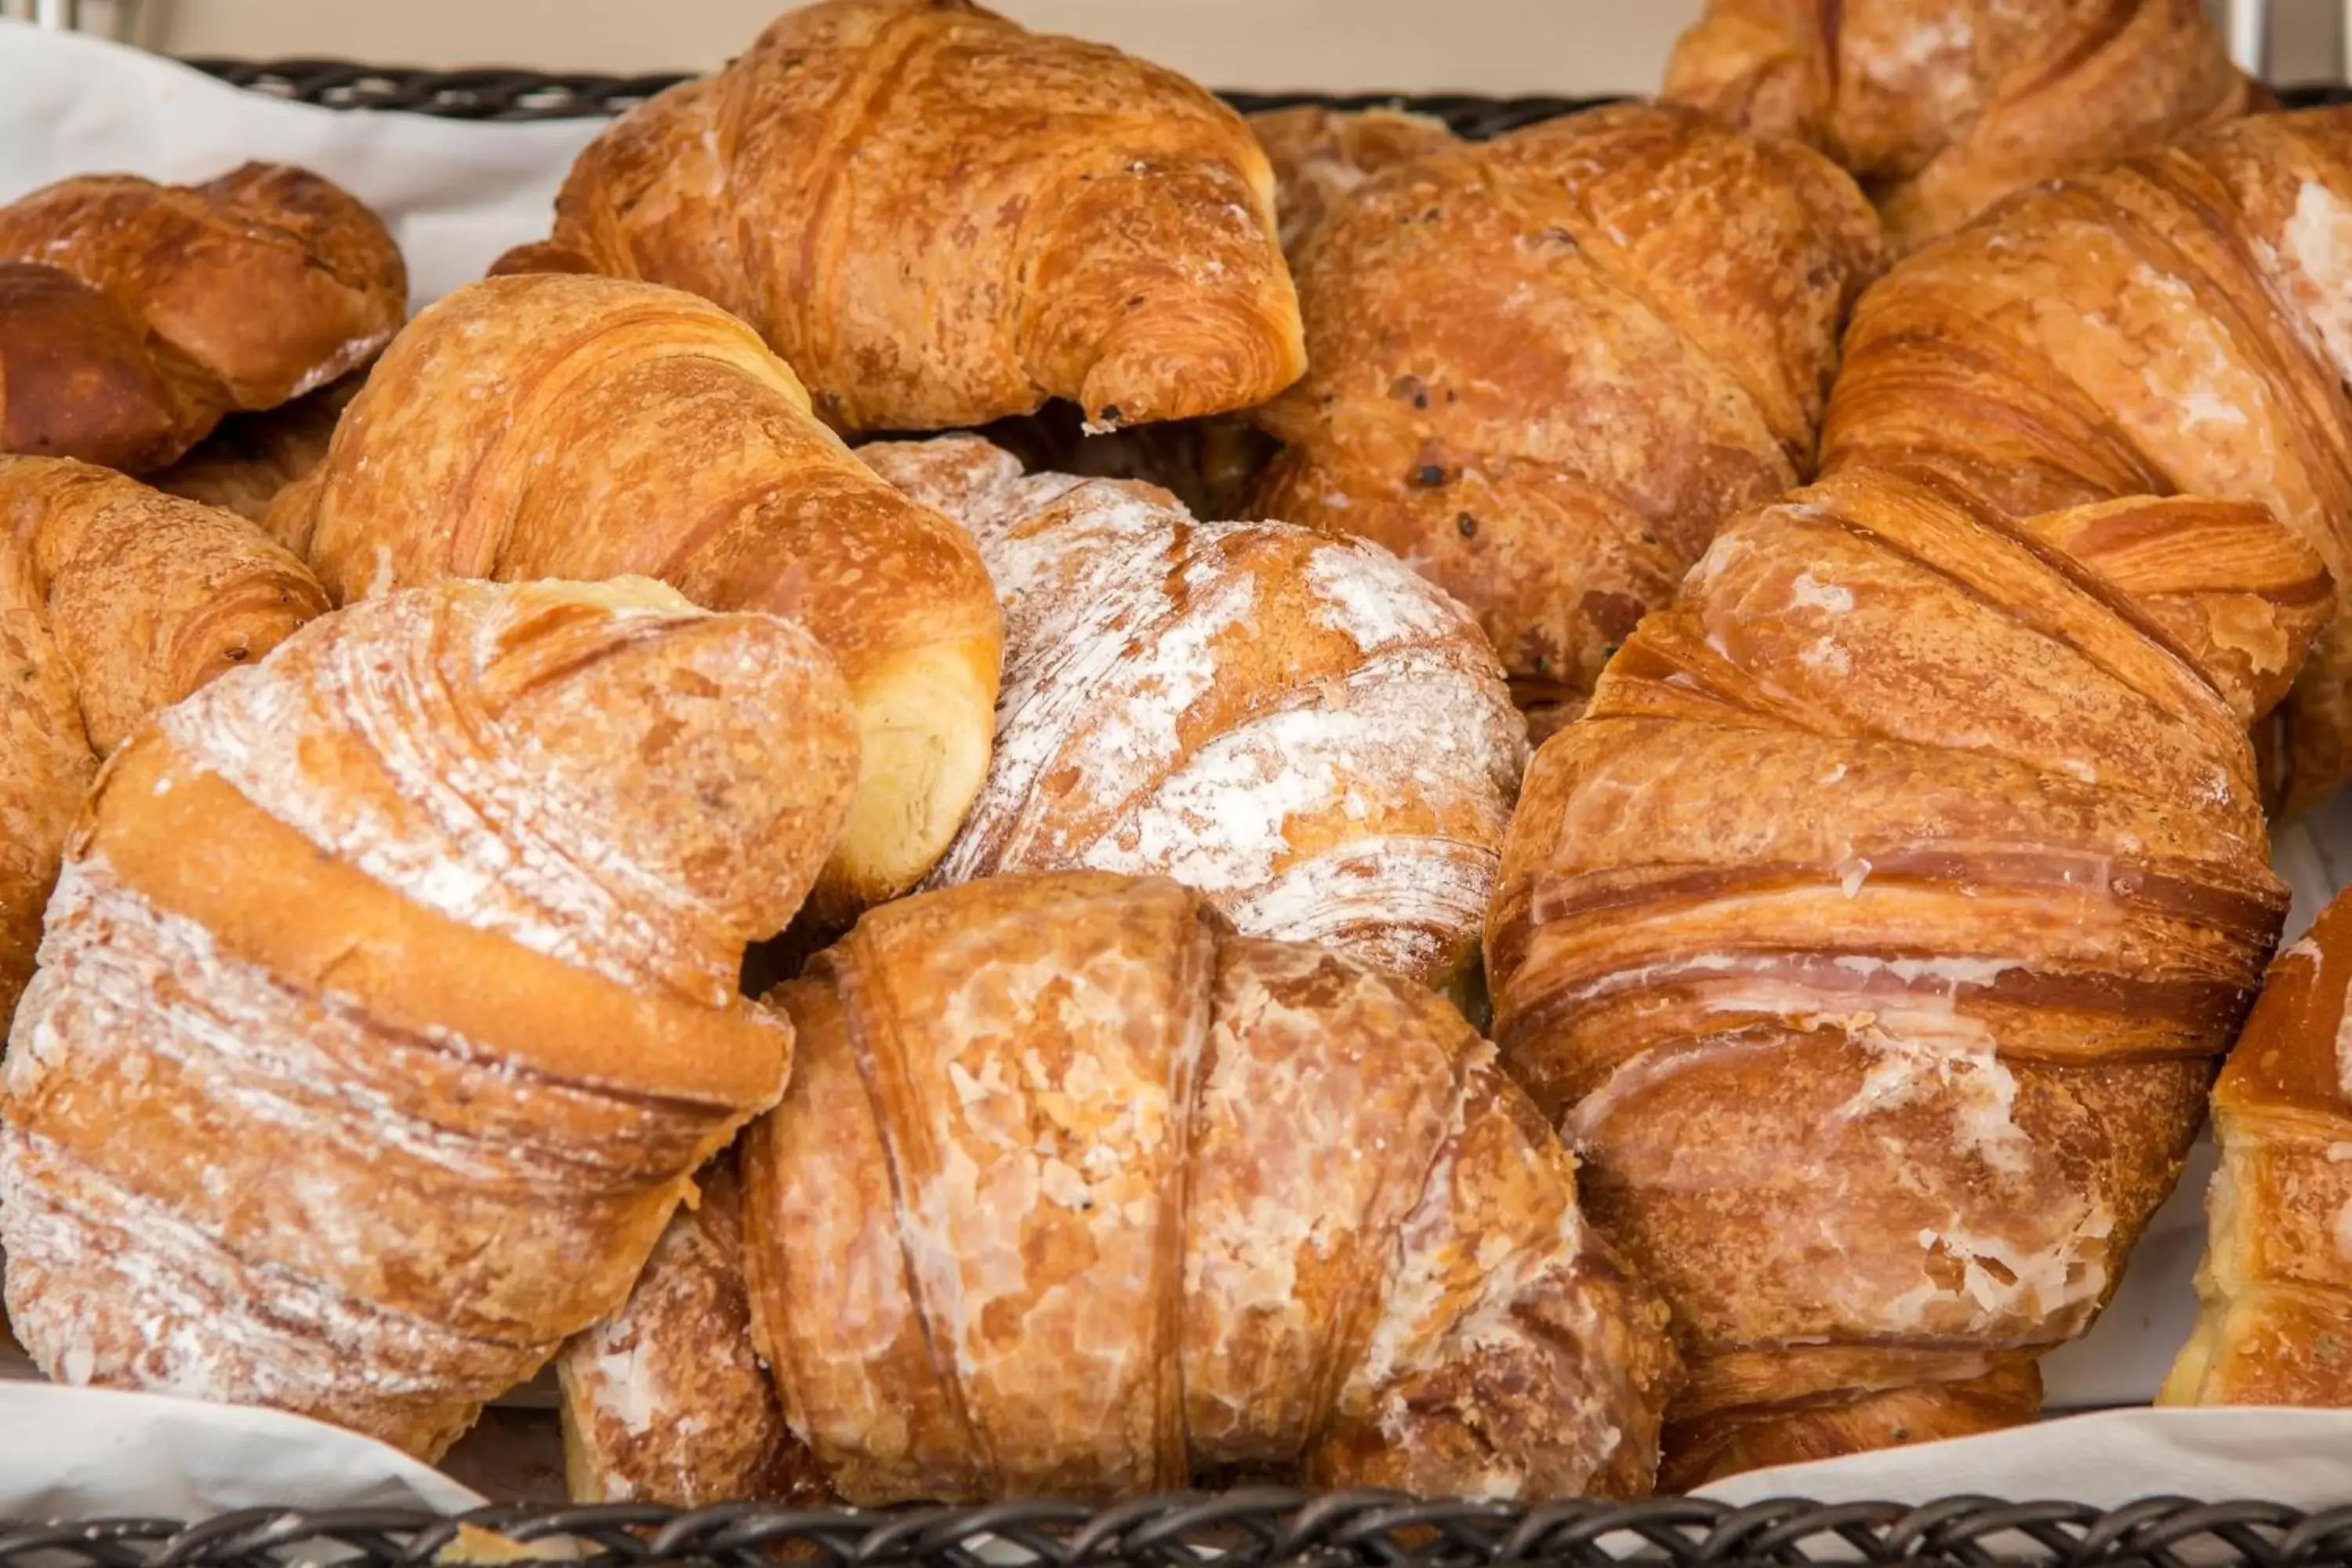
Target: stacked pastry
x,y
1870,928
1877,932
443,902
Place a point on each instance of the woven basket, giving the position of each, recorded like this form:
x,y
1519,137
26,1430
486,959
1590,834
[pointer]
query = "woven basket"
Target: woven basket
x,y
1255,1528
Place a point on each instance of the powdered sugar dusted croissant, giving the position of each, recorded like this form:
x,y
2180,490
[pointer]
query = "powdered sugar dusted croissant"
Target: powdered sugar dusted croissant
x,y
1292,722
1076,1191
389,997
1875,932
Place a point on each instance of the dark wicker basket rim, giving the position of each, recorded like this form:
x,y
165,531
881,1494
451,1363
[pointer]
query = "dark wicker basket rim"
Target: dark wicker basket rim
x,y
1263,1528
509,94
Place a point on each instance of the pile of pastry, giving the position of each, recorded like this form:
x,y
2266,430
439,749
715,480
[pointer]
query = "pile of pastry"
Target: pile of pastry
x,y
881,799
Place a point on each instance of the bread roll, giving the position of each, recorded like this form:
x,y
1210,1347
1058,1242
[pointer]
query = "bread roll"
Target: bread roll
x,y
1544,368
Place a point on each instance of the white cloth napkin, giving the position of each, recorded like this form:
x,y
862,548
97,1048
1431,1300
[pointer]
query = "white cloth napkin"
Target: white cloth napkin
x,y
79,1453
454,193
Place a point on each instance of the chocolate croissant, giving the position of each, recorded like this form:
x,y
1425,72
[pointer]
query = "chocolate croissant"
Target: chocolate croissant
x,y
134,316
587,427
115,601
1942,107
1544,368
1293,723
389,997
1875,934
2276,1285
1076,1191
2174,324
938,219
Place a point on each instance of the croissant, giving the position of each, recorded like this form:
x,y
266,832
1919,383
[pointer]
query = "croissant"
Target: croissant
x,y
666,1399
1293,724
1546,367
250,460
134,316
939,218
114,602
1942,107
1076,1191
1320,154
1874,934
440,909
587,427
2173,323
2274,1327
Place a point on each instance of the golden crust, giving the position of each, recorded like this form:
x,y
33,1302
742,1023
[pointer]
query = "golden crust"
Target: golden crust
x,y
1874,934
134,316
1546,367
588,427
681,1346
1942,107
412,911
115,601
1075,1192
2275,1286
940,219
1321,154
2170,325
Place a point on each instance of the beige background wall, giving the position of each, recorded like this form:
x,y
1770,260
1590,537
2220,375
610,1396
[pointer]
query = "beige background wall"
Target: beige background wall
x,y
1488,45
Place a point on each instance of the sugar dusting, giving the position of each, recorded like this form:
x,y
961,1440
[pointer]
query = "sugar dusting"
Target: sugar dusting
x,y
464,820
2316,249
1128,626
264,1244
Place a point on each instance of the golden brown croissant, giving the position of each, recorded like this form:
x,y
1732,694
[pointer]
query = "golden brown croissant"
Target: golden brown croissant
x,y
1076,1191
587,427
2173,324
1293,724
2275,1286
249,459
388,999
134,315
1942,107
940,219
666,1399
115,601
1874,935
1320,154
1546,367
